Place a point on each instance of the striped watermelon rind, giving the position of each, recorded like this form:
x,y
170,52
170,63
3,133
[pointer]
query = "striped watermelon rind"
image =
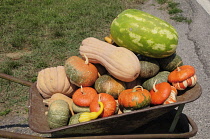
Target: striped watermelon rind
x,y
144,33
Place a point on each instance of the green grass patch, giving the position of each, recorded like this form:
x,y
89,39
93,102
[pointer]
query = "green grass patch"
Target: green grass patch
x,y
174,11
52,30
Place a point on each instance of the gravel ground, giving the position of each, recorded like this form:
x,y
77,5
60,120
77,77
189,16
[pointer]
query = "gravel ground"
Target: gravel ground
x,y
193,48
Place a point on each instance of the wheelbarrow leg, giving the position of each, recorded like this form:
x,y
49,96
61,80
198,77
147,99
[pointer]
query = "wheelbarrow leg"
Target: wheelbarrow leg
x,y
176,118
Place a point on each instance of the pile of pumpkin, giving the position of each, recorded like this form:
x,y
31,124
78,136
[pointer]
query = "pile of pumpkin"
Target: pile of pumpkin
x,y
134,68
106,80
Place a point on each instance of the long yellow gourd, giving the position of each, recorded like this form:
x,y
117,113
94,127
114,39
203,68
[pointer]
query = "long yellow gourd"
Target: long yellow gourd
x,y
87,116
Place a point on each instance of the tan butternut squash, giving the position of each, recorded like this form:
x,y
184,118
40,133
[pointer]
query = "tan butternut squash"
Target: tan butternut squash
x,y
54,80
120,62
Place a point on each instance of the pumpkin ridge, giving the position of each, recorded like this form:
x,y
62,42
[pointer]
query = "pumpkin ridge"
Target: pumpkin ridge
x,y
54,78
61,79
47,76
41,83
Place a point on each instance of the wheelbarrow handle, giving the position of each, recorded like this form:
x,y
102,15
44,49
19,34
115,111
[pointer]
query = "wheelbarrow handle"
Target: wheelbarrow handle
x,y
14,79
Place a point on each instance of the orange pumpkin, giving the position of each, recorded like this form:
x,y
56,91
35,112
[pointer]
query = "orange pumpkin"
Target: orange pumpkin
x,y
135,98
109,102
84,96
183,77
160,93
80,72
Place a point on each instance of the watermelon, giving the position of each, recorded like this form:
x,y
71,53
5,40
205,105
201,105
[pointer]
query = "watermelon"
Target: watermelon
x,y
144,34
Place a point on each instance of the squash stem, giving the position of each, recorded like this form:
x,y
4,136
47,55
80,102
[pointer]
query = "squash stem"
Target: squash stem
x,y
154,88
178,69
86,59
82,90
137,86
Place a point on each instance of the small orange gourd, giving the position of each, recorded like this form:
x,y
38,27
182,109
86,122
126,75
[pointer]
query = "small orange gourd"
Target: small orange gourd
x,y
109,102
160,93
135,98
183,77
84,96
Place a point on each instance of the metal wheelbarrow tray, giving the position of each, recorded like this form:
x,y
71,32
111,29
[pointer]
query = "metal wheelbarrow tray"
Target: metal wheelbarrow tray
x,y
114,125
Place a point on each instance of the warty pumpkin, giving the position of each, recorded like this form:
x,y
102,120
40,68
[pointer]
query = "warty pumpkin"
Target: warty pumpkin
x,y
59,96
54,80
133,99
120,62
58,114
162,76
80,72
110,85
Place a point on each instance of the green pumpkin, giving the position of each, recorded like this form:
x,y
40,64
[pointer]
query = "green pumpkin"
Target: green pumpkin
x,y
58,114
144,34
149,67
74,119
110,85
170,63
160,77
78,109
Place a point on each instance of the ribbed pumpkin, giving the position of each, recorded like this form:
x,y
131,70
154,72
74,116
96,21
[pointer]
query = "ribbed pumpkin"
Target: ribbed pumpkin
x,y
54,80
110,85
133,99
80,72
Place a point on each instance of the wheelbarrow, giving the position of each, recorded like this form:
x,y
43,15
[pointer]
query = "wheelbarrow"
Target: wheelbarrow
x,y
135,124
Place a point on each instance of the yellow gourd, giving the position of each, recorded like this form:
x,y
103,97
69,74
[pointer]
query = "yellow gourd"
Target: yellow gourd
x,y
87,116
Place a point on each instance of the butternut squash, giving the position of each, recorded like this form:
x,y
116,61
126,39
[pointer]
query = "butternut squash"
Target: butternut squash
x,y
54,80
120,62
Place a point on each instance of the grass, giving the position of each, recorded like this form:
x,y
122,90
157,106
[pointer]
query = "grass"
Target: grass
x,y
174,11
52,31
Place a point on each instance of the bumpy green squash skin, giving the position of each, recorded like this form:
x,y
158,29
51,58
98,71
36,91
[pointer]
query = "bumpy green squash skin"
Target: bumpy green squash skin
x,y
110,85
144,104
170,63
143,33
149,67
58,114
78,109
160,77
74,119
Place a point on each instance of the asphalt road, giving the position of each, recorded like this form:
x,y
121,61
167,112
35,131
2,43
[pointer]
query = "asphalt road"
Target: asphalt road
x,y
194,48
